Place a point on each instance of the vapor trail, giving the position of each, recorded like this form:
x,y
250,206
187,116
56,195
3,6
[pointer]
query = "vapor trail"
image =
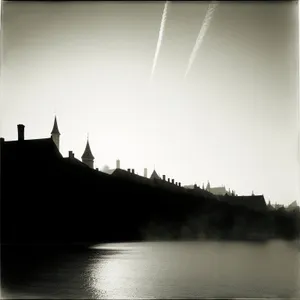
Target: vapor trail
x,y
298,102
160,37
206,22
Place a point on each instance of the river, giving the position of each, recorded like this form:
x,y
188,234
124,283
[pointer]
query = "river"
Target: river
x,y
156,270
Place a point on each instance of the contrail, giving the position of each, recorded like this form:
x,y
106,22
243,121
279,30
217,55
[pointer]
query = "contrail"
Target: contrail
x,y
298,108
160,37
206,22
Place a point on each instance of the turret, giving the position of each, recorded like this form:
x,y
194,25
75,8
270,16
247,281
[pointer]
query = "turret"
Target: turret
x,y
87,156
55,134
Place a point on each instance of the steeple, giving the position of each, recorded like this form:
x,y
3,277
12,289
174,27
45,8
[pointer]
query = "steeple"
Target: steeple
x,y
55,133
154,175
55,127
87,156
208,186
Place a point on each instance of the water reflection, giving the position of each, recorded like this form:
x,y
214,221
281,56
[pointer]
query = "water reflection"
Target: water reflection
x,y
189,270
155,270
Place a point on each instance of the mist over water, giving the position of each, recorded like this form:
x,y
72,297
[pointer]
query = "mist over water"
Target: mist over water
x,y
164,270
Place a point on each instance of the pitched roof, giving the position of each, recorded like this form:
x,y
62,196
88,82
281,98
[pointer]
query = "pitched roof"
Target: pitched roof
x,y
154,175
132,176
218,190
75,161
155,182
30,150
256,202
110,171
55,127
191,186
293,204
87,154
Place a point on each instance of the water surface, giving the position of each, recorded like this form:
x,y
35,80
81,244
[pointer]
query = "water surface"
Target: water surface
x,y
157,270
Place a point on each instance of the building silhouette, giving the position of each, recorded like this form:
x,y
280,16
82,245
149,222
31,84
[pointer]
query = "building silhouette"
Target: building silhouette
x,y
49,147
33,150
257,202
154,175
87,156
55,134
46,197
218,190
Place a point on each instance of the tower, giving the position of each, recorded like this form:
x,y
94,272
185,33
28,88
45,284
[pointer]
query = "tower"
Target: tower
x,y
118,164
55,133
87,156
208,186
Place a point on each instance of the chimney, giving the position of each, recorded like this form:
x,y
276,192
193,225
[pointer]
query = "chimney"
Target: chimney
x,y
21,132
70,154
179,184
145,172
97,169
118,164
132,171
172,181
164,177
1,143
168,179
128,170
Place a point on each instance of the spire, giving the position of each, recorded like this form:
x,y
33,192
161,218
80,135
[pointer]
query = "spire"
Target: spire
x,y
154,175
208,186
87,154
55,133
55,127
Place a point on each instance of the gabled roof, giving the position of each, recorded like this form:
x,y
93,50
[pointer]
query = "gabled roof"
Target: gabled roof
x,y
154,175
36,153
256,202
87,154
293,204
109,171
55,127
218,190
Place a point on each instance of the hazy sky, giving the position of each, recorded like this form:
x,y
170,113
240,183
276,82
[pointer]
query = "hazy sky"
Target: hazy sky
x,y
233,121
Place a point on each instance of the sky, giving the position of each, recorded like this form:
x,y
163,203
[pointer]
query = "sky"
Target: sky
x,y
233,120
